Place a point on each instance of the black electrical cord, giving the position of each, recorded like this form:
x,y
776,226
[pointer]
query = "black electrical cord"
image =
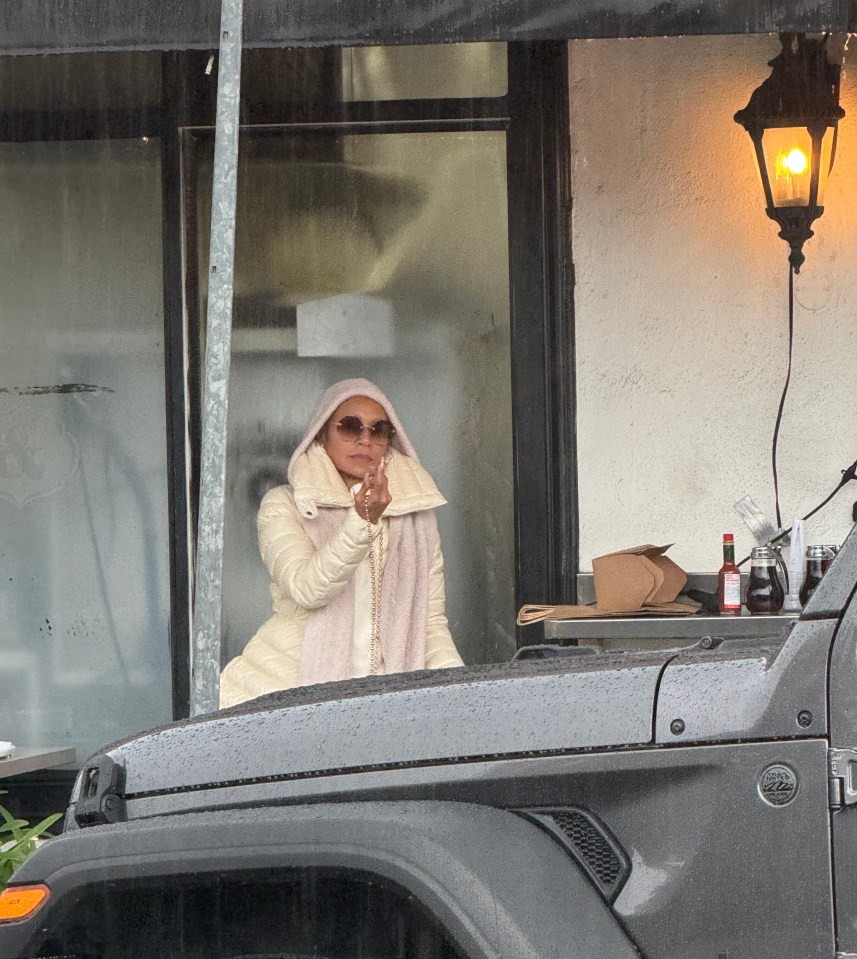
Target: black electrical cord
x,y
783,397
847,475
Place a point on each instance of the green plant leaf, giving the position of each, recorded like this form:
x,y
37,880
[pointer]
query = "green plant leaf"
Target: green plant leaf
x,y
12,825
5,814
35,831
22,842
48,821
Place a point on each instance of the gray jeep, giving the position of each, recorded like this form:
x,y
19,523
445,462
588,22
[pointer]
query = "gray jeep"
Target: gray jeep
x,y
679,803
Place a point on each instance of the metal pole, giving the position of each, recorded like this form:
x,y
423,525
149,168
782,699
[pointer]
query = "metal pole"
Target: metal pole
x,y
205,667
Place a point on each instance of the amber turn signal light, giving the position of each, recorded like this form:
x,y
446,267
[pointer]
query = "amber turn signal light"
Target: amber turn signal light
x,y
20,902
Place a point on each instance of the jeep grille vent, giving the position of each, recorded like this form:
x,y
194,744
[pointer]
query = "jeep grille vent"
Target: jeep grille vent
x,y
589,842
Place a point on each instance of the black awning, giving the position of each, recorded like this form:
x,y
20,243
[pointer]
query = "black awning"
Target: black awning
x,y
47,26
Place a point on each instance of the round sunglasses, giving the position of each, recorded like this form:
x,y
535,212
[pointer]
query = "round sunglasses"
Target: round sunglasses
x,y
352,427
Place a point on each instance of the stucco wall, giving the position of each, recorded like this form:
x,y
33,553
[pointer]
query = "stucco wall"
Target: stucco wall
x,y
681,305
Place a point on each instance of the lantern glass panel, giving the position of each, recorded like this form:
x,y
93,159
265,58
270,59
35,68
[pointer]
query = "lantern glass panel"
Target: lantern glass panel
x,y
788,158
826,164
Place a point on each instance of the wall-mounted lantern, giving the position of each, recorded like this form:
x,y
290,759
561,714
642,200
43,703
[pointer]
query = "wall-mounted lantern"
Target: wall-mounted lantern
x,y
792,118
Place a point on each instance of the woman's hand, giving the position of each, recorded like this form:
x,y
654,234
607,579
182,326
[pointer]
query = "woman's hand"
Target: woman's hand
x,y
373,497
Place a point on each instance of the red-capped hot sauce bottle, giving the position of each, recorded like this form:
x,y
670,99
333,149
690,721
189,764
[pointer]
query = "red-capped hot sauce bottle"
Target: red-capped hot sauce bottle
x,y
729,580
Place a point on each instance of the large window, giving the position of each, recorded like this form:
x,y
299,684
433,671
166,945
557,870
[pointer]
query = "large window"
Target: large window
x,y
386,196
372,246
84,591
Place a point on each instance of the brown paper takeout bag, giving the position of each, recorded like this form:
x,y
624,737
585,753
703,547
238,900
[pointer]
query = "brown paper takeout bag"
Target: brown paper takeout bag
x,y
633,579
640,581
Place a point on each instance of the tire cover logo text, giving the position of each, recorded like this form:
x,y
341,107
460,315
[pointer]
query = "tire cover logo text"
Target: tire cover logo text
x,y
778,785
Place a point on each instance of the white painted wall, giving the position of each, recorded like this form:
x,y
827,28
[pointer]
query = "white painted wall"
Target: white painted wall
x,y
681,305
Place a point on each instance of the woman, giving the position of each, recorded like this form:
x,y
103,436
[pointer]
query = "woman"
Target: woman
x,y
353,551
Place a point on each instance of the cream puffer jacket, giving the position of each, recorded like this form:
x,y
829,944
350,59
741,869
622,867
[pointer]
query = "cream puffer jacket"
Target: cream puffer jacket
x,y
304,579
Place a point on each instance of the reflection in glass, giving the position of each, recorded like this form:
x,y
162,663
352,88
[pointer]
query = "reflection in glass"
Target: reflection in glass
x,y
80,82
378,255
84,591
272,79
412,72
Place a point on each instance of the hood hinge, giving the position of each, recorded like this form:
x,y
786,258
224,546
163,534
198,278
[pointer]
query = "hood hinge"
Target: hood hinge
x,y
841,765
102,793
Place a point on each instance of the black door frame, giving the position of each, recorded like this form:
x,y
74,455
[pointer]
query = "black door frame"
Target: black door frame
x,y
541,285
536,119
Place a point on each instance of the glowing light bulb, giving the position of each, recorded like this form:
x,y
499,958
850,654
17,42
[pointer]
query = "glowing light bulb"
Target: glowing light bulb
x,y
795,162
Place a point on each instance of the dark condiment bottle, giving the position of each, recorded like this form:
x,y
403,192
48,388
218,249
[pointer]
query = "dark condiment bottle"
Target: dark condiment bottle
x,y
765,592
729,580
818,559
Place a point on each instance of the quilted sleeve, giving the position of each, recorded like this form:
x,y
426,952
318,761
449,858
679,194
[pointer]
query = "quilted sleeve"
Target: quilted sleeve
x,y
308,576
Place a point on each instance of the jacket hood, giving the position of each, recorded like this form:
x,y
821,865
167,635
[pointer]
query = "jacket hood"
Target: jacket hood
x,y
339,393
316,482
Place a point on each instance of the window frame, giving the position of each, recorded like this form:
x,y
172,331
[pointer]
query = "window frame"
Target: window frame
x,y
534,115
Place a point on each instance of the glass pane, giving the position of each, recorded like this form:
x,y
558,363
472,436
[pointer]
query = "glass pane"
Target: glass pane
x,y
787,156
80,82
422,72
828,148
294,914
272,80
84,647
385,256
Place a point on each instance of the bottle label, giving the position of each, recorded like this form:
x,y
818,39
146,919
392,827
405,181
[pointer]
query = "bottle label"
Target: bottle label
x,y
732,590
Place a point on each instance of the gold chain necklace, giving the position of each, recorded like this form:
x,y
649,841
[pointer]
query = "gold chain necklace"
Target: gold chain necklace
x,y
376,575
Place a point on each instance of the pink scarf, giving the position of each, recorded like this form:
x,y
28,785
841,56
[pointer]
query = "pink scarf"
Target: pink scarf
x,y
327,643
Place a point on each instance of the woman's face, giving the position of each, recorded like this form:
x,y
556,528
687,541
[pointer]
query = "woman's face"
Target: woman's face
x,y
354,458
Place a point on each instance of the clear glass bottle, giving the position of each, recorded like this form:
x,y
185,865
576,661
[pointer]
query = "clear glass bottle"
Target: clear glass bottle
x,y
765,593
729,580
